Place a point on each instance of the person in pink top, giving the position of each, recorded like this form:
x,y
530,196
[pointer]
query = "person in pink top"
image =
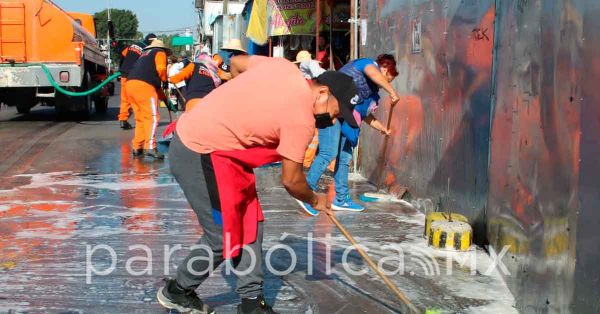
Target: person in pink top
x,y
270,105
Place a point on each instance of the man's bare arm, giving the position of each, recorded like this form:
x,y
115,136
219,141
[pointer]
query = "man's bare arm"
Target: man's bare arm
x,y
294,181
239,64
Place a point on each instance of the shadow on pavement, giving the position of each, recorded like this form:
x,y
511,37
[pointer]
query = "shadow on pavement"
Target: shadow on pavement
x,y
45,113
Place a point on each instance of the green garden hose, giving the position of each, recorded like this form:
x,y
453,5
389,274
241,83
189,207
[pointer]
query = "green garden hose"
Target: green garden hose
x,y
84,93
59,88
76,94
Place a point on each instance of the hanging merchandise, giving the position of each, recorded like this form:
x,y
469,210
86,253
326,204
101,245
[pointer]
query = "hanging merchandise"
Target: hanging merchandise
x,y
257,26
294,42
278,51
307,42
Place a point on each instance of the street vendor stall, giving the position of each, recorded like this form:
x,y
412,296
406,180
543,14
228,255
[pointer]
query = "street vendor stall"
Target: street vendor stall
x,y
321,27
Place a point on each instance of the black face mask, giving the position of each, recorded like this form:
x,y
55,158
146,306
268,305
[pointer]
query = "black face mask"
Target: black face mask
x,y
323,120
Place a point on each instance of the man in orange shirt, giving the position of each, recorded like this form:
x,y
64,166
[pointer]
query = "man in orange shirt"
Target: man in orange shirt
x,y
144,89
255,113
130,55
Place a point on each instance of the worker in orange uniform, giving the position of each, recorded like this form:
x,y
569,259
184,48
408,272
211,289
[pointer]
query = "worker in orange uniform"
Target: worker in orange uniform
x,y
200,79
130,55
204,76
144,88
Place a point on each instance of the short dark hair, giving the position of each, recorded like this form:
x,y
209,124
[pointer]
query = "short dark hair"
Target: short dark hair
x,y
388,62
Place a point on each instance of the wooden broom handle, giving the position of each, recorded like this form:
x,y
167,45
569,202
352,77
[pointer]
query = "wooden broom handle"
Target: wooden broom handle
x,y
385,145
374,267
180,94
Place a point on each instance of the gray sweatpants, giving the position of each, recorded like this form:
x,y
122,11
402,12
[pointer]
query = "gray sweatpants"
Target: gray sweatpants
x,y
192,171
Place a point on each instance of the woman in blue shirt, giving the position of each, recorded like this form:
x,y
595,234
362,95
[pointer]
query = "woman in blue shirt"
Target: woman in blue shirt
x,y
338,140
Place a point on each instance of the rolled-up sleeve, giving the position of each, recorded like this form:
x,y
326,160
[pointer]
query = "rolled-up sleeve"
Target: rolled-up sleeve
x,y
294,140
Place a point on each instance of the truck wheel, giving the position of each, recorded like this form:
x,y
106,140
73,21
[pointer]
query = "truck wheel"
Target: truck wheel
x,y
23,109
111,88
22,98
86,101
62,105
79,107
101,104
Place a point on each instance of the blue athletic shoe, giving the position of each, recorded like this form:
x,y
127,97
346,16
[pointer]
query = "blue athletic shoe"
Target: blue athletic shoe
x,y
307,208
347,205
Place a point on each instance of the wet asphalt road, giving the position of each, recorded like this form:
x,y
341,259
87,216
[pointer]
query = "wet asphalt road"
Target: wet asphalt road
x,y
67,188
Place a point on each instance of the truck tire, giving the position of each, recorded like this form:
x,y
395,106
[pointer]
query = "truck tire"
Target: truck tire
x,y
80,107
86,101
23,109
22,98
111,88
101,104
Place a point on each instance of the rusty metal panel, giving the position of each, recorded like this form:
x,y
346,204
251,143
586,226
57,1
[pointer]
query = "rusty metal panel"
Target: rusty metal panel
x,y
527,173
537,179
587,272
441,124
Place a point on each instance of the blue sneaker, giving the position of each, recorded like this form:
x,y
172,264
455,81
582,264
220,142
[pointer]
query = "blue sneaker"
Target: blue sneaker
x,y
347,205
307,208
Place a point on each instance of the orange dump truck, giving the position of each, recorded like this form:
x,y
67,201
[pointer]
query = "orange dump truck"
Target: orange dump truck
x,y
35,32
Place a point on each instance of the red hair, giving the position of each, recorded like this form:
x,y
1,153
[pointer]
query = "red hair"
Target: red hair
x,y
388,62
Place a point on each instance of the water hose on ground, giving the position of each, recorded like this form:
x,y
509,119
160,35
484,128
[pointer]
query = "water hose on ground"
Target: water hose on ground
x,y
61,89
75,94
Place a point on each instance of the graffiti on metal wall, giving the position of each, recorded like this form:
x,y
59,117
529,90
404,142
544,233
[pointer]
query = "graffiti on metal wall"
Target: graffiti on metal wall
x,y
515,157
441,124
534,164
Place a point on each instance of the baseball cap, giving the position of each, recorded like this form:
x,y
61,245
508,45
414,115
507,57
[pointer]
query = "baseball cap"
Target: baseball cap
x,y
149,38
343,89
